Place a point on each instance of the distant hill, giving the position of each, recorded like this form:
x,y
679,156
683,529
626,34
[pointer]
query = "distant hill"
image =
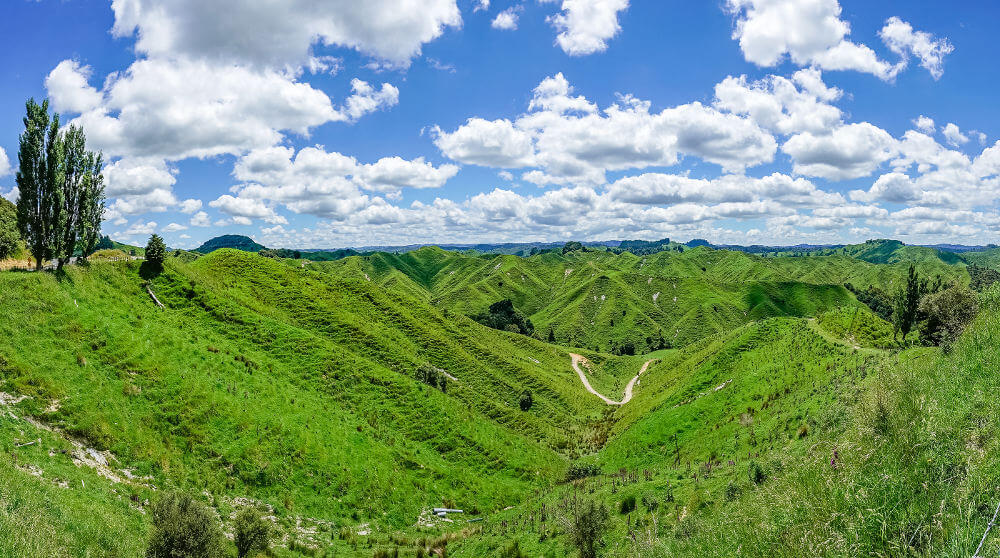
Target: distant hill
x,y
236,241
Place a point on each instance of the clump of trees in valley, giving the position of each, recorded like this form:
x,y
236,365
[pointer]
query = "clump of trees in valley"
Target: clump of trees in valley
x,y
61,188
503,316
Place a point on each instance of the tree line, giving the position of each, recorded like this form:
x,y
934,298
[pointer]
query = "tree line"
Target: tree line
x,y
61,188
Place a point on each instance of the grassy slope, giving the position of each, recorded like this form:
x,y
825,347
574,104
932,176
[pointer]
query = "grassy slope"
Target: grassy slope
x,y
595,298
241,384
302,358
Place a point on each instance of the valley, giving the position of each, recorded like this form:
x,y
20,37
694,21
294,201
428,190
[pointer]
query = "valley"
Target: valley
x,y
687,394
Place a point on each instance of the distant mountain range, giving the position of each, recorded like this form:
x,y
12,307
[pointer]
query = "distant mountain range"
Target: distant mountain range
x,y
876,251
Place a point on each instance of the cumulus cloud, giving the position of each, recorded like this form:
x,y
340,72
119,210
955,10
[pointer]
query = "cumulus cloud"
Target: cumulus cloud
x,y
812,33
585,26
200,219
786,106
4,163
190,206
284,33
174,227
326,184
850,151
367,99
925,124
246,209
954,136
904,41
570,140
507,19
69,89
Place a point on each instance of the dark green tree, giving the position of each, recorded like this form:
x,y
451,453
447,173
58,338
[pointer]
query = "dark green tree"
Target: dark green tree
x,y
10,239
183,528
552,336
82,197
61,201
907,303
252,534
156,250
36,180
573,246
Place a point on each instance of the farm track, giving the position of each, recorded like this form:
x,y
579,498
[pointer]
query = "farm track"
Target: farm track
x,y
578,359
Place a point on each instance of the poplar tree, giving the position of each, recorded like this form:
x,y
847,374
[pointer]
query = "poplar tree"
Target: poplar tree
x,y
61,188
34,208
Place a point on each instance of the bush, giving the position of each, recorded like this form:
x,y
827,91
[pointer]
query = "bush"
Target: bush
x,y
650,502
756,473
733,491
251,533
582,471
10,238
526,401
586,528
512,550
183,528
947,312
628,505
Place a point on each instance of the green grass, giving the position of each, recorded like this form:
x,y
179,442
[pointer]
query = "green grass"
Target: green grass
x,y
294,386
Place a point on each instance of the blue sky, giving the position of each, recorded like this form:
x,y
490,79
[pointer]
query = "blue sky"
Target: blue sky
x,y
390,122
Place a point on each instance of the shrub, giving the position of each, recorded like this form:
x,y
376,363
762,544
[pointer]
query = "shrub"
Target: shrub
x,y
756,473
627,505
526,401
582,471
586,528
947,312
251,533
183,528
650,502
733,491
512,550
503,316
10,238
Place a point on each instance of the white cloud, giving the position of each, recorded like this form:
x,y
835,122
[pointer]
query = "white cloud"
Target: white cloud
x,y
782,105
190,206
327,184
136,176
141,228
571,141
487,143
851,151
811,32
244,209
69,89
200,219
4,163
893,187
925,124
12,195
174,110
904,41
954,136
283,32
367,99
481,5
174,227
393,173
585,26
506,20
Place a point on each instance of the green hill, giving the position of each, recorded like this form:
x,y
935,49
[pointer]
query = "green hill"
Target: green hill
x,y
234,241
349,398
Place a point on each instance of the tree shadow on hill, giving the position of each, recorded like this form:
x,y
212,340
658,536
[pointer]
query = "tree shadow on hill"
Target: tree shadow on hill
x,y
150,270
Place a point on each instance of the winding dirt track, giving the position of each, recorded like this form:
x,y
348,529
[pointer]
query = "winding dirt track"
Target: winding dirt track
x,y
577,360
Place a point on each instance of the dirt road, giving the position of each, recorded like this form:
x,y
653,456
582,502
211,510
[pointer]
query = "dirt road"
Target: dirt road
x,y
577,360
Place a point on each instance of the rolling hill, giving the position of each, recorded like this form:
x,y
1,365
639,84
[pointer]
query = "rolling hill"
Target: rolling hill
x,y
349,398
